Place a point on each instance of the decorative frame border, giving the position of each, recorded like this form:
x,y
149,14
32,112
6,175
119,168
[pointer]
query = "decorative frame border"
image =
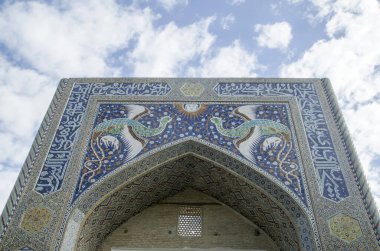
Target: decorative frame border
x,y
290,106
18,190
323,86
60,152
326,163
353,159
95,100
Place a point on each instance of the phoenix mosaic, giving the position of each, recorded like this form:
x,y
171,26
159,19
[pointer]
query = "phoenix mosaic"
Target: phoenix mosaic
x,y
267,148
258,133
326,163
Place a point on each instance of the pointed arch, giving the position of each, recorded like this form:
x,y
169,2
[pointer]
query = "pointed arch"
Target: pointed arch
x,y
206,168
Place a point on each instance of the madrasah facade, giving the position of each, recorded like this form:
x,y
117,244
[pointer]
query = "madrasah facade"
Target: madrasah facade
x,y
196,164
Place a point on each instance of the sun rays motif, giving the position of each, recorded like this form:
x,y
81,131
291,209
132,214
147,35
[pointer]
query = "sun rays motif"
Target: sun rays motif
x,y
191,110
262,135
110,136
258,133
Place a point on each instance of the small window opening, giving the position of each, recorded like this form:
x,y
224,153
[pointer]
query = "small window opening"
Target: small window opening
x,y
190,222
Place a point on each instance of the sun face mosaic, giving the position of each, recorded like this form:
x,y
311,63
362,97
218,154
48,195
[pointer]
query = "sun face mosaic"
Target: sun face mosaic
x,y
259,133
236,140
331,181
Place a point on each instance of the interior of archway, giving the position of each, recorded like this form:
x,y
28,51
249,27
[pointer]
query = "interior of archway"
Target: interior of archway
x,y
188,219
189,172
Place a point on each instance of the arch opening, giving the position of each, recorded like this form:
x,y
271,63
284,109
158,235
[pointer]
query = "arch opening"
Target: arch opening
x,y
204,169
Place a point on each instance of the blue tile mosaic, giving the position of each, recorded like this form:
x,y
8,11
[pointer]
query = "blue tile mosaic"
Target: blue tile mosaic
x,y
26,249
331,180
259,133
54,169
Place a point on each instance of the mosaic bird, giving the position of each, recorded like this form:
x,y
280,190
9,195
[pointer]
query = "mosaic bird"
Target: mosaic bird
x,y
106,136
248,135
131,132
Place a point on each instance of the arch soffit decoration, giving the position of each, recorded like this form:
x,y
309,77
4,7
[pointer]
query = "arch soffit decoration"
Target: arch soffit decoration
x,y
193,150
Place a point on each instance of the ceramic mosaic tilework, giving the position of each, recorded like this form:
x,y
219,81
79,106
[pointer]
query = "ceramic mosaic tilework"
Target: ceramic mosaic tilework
x,y
259,133
345,227
332,184
303,158
60,152
25,249
35,219
205,177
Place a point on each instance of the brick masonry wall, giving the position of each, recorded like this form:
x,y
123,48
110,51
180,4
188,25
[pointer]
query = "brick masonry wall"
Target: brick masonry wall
x,y
157,227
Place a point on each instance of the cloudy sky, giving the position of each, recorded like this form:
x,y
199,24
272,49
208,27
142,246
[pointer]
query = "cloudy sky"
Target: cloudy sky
x,y
44,41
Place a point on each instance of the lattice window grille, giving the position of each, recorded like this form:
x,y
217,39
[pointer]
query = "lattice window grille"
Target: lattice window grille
x,y
190,222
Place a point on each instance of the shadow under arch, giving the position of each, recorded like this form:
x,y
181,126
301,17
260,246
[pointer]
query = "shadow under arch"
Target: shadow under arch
x,y
203,167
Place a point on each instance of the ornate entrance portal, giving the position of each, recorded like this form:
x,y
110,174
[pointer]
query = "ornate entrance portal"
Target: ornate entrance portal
x,y
264,207
166,164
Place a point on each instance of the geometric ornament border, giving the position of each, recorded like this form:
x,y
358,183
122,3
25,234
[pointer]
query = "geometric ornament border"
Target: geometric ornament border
x,y
56,163
330,177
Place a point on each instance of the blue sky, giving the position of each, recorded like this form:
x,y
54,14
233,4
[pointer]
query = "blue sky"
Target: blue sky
x,y
44,41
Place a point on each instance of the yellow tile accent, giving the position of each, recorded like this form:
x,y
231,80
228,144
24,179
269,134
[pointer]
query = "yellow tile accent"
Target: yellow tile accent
x,y
192,89
345,227
35,219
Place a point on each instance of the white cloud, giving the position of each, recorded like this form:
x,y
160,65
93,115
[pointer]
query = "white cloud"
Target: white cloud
x,y
171,4
24,98
6,186
230,61
323,9
274,36
350,57
294,1
276,7
163,52
235,2
77,39
54,41
227,21
73,39
364,123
